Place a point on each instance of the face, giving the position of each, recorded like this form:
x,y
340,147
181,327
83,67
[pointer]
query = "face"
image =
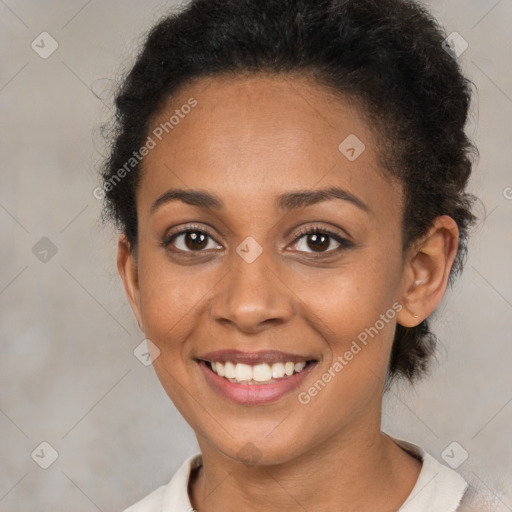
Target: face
x,y
262,276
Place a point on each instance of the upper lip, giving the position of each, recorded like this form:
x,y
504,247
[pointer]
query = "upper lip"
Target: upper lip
x,y
253,358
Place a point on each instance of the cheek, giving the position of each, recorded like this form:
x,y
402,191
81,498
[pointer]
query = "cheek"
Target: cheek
x,y
347,300
356,319
165,298
354,310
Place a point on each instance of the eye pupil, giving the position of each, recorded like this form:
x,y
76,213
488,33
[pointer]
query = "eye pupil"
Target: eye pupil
x,y
318,241
191,240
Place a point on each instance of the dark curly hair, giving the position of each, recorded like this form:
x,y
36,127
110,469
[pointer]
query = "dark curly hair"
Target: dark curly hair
x,y
387,55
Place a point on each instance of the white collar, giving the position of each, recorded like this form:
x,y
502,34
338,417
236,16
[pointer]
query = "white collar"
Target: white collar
x,y
438,487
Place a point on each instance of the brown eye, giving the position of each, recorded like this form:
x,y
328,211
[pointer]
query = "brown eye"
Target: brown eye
x,y
191,240
319,240
194,240
316,242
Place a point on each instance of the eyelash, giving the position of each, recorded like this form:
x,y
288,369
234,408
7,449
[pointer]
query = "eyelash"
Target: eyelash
x,y
344,243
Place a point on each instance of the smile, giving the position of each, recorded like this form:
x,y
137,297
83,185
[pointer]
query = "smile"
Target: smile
x,y
258,374
254,378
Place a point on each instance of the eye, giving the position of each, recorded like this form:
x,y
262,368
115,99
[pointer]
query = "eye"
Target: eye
x,y
319,240
192,239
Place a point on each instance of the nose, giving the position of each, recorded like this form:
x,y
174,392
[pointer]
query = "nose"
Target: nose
x,y
253,296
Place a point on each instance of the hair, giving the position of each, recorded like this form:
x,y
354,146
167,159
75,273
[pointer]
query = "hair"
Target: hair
x,y
388,55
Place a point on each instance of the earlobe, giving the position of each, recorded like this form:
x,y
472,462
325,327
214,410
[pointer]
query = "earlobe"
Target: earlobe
x,y
127,268
427,271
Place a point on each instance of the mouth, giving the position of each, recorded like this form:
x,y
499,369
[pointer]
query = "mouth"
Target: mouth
x,y
254,378
256,375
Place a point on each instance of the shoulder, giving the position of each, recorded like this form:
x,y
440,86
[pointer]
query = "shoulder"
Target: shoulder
x,y
153,502
438,487
478,499
172,496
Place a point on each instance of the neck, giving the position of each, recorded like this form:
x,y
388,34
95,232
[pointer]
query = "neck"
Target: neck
x,y
358,470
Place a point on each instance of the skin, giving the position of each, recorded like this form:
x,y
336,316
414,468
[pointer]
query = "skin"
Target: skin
x,y
248,140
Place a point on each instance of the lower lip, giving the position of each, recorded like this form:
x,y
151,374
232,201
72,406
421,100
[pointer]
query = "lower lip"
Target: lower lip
x,y
253,394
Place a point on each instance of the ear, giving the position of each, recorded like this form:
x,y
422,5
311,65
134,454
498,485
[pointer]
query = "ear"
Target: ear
x,y
427,270
127,267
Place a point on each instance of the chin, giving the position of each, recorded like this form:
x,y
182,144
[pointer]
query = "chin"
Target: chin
x,y
258,450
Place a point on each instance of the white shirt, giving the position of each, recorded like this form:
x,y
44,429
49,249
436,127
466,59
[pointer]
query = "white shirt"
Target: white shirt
x,y
438,487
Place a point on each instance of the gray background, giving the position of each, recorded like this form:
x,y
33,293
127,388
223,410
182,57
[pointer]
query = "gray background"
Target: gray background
x,y
68,375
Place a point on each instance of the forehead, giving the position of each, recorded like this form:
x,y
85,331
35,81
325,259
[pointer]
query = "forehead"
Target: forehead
x,y
258,136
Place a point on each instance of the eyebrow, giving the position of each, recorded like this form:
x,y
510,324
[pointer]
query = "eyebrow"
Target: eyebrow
x,y
287,201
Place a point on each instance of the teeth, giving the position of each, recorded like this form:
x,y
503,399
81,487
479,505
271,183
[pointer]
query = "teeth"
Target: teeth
x,y
299,366
258,373
229,369
289,368
220,369
243,372
262,372
278,370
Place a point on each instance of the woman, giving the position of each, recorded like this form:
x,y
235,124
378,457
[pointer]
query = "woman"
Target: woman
x,y
289,178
